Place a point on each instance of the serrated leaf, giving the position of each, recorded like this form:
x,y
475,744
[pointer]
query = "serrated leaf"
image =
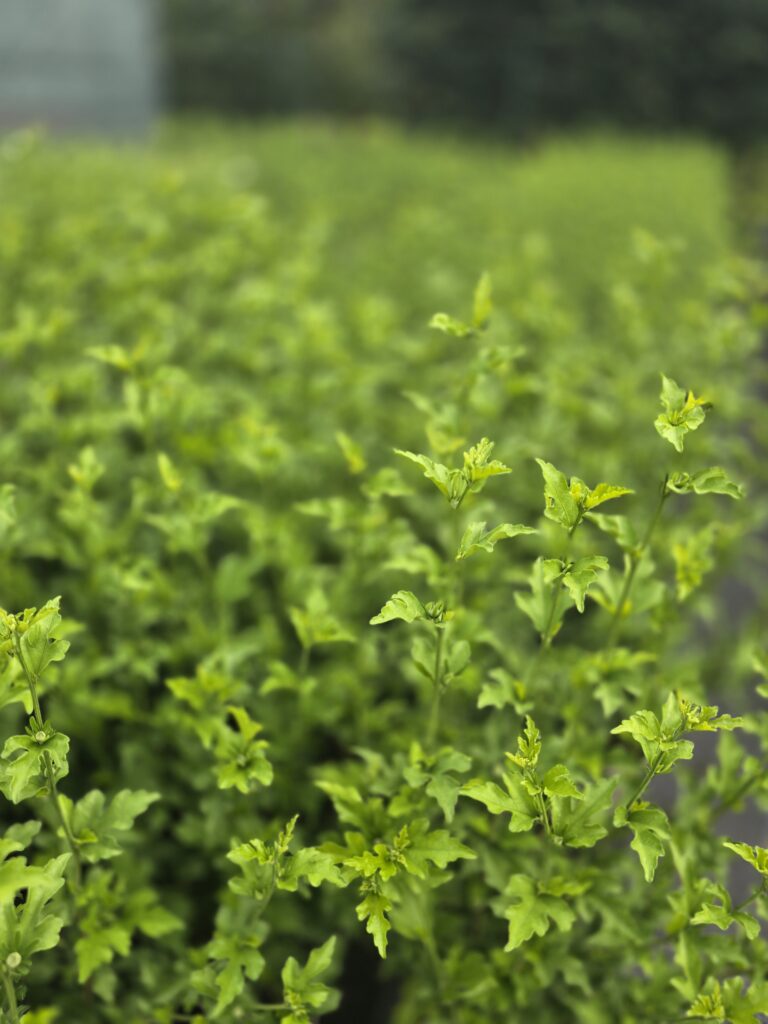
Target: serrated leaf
x,y
604,492
713,480
476,538
558,782
97,826
683,412
757,856
40,644
578,824
560,505
402,605
373,910
580,575
532,912
650,827
515,801
437,847
300,984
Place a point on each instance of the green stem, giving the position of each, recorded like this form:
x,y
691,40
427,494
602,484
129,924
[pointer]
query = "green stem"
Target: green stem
x,y
645,781
270,892
53,792
543,812
738,793
437,690
10,995
745,903
636,558
546,637
546,640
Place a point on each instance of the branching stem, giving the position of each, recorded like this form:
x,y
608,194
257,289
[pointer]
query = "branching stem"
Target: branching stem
x,y
10,996
437,689
53,792
646,780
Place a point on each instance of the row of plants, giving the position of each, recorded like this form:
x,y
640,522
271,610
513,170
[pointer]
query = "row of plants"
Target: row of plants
x,y
345,708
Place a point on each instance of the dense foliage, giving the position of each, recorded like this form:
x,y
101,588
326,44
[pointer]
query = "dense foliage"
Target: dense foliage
x,y
343,707
500,65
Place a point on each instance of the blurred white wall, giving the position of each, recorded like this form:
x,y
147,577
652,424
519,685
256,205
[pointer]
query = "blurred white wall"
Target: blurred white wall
x,y
79,66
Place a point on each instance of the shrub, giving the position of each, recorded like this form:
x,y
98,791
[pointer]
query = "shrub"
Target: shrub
x,y
227,795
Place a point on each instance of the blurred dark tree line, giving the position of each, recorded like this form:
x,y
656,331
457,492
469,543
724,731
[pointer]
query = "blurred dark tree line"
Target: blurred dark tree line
x,y
517,66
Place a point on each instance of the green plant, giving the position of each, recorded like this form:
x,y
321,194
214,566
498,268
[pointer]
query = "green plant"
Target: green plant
x,y
482,777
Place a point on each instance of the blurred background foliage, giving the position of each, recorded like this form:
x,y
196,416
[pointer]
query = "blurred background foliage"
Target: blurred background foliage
x,y
509,67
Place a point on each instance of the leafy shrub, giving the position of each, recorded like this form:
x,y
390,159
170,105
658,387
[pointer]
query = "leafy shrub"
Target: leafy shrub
x,y
228,796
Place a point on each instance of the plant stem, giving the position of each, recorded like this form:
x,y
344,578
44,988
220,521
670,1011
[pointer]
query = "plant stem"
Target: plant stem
x,y
645,781
738,793
437,690
543,812
546,640
10,995
745,903
636,558
53,792
270,891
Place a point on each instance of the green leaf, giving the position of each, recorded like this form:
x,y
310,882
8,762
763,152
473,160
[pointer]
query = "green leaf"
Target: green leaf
x,y
39,642
558,782
706,481
683,412
482,302
402,605
437,847
22,762
450,325
352,452
502,691
538,604
567,501
449,482
241,959
373,910
515,801
650,827
240,759
476,538
479,466
532,912
659,740
757,856
528,746
301,988
560,505
578,824
98,827
316,624
312,864
709,1006
723,915
36,928
579,576
604,492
